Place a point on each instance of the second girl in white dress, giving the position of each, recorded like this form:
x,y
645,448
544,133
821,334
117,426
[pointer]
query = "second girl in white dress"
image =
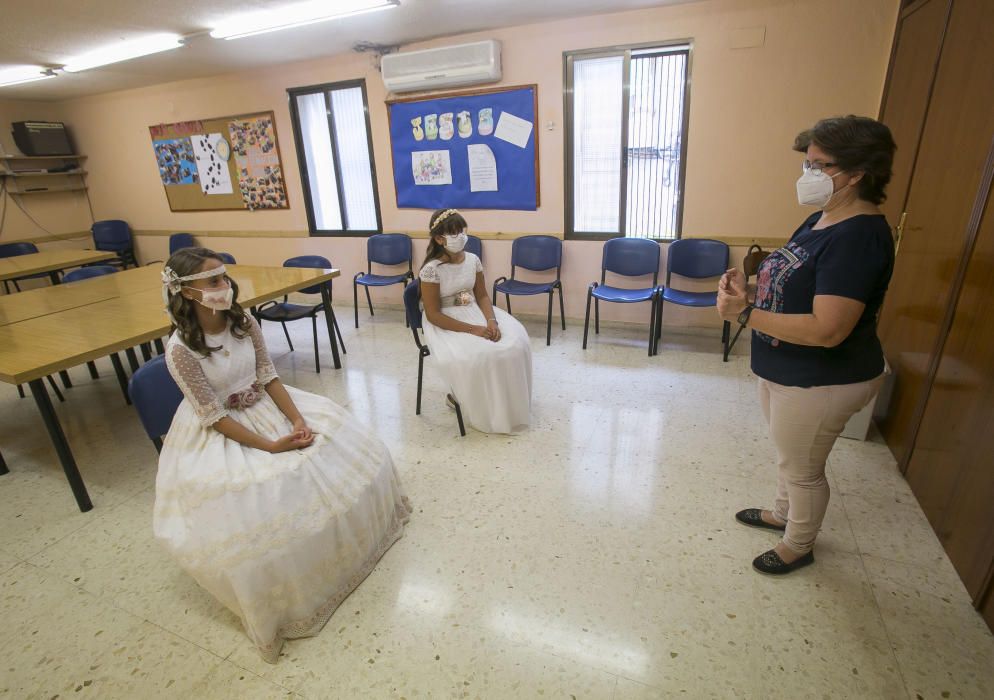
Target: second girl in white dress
x,y
482,352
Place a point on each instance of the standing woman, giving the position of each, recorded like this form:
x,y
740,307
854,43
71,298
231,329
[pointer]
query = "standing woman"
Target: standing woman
x,y
814,343
482,352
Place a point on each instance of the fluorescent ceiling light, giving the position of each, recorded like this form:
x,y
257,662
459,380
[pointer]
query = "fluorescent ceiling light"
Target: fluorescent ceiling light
x,y
17,75
296,16
124,51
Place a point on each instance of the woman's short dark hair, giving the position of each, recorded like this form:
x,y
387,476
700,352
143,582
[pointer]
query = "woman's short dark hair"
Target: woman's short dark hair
x,y
855,143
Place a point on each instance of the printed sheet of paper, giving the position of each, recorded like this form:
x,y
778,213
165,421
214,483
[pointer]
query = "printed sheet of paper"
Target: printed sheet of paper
x,y
213,170
513,129
482,168
431,167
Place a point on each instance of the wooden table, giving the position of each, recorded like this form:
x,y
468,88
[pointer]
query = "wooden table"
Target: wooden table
x,y
50,261
116,312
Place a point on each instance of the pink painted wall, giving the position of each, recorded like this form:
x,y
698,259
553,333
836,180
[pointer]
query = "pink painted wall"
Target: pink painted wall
x,y
746,105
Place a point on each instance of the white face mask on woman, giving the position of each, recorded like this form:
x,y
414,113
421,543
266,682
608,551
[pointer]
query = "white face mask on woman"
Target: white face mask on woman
x,y
455,243
216,299
815,188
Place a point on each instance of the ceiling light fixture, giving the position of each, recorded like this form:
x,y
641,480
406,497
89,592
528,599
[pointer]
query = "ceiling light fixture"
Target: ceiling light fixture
x,y
124,51
296,16
18,75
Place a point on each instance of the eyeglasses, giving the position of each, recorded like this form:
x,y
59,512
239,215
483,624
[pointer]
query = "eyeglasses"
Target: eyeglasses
x,y
816,167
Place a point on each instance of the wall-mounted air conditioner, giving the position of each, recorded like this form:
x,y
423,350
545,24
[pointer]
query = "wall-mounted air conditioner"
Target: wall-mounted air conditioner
x,y
448,66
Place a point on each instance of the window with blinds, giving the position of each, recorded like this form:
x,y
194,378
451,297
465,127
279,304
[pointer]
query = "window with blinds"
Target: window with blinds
x,y
625,139
331,128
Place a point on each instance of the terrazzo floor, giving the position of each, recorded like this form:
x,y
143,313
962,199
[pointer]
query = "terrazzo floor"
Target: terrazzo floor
x,y
594,556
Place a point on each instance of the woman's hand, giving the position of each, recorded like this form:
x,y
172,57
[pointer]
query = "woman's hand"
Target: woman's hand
x,y
300,426
733,281
294,441
494,329
482,331
731,303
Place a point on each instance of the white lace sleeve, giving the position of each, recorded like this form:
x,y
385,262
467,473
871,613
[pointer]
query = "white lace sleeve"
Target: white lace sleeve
x,y
429,273
265,371
185,368
479,265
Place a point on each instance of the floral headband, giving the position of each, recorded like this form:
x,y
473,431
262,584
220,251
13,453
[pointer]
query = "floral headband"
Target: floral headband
x,y
172,283
443,216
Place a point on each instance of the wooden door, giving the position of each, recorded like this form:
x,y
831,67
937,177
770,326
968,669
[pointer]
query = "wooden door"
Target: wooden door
x,y
952,466
945,178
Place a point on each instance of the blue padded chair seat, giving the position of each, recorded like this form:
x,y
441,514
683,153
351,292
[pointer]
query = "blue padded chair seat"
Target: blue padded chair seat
x,y
676,296
380,280
625,296
287,312
519,288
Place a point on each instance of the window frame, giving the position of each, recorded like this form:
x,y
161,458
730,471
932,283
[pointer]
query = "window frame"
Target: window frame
x,y
625,51
298,139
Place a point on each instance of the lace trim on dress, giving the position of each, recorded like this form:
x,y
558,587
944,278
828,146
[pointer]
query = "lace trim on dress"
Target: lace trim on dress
x,y
186,370
310,626
265,371
429,273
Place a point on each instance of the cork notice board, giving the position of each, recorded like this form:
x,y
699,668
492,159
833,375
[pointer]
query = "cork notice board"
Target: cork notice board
x,y
221,163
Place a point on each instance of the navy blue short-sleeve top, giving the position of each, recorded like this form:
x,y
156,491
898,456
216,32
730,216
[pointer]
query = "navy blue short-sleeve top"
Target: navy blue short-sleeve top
x,y
853,258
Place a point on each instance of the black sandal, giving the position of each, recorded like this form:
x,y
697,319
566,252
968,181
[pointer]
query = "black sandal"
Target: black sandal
x,y
753,517
771,563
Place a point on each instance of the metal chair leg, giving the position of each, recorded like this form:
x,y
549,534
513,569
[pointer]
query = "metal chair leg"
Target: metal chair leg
x,y
726,330
122,378
287,334
338,332
562,307
597,316
507,300
132,359
317,357
652,324
94,374
66,381
548,323
55,388
355,301
3,466
160,348
421,368
158,444
20,391
462,428
369,300
586,320
146,349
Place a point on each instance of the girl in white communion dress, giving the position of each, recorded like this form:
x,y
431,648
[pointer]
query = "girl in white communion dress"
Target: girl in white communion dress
x,y
275,500
482,352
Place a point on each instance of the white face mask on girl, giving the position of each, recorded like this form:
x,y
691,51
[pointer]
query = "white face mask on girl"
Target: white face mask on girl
x,y
815,188
216,299
455,243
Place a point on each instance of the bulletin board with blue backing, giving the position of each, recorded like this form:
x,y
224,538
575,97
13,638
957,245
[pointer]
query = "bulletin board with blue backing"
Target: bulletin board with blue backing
x,y
439,146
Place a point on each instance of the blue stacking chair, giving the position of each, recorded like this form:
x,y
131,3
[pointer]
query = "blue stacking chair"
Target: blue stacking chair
x,y
88,272
412,309
475,246
535,253
696,258
178,241
383,249
114,236
281,312
12,250
228,258
85,273
630,257
156,396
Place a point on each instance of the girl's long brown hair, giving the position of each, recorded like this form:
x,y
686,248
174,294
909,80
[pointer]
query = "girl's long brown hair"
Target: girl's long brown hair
x,y
451,224
188,261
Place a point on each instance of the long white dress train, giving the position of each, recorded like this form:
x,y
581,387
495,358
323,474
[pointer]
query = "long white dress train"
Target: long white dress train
x,y
491,381
280,539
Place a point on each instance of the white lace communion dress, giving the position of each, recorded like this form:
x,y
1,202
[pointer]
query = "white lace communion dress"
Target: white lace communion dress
x,y
491,381
280,539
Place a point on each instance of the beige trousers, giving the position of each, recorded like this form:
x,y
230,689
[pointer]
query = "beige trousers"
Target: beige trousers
x,y
804,423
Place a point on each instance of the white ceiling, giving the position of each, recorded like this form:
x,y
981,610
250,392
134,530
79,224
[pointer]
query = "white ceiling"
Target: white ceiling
x,y
51,32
